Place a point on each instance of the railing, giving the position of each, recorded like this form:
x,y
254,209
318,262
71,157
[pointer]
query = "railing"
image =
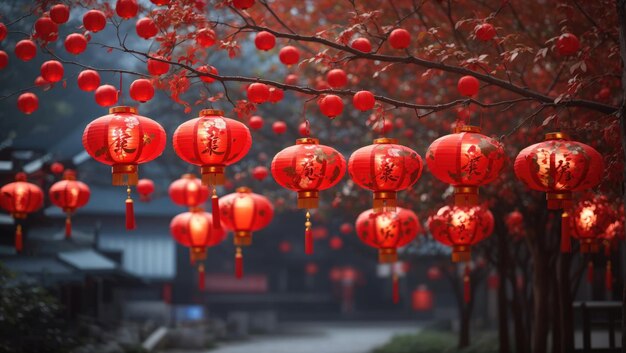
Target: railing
x,y
604,315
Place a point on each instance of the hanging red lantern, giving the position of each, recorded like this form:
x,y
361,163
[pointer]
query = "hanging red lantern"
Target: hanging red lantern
x,y
20,198
106,95
514,222
196,231
422,299
484,32
337,78
52,71
4,59
43,84
400,38
208,70
69,194
567,44
89,80
468,86
255,122
244,212
25,50
258,93
434,273
331,105
346,228
75,43
385,168
289,55
308,167
335,243
157,67
145,188
260,173
126,8
591,219
362,44
465,159
558,166
146,28
27,103
57,168
304,129
276,95
279,127
264,41
188,191
284,246
46,29
363,100
141,90
94,21
60,13
460,228
311,269
123,139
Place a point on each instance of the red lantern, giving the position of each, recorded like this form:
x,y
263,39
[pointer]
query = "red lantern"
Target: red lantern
x,y
264,41
60,13
52,71
243,4
205,37
591,220
123,139
126,8
146,28
331,105
311,269
422,299
260,172
57,168
20,198
145,188
346,228
89,80
4,59
27,103
362,44
308,167
289,55
336,78
160,2
196,231
434,273
468,86
25,50
75,43
106,95
466,159
276,95
46,29
244,212
188,191
485,32
255,122
69,195
94,20
400,38
141,90
157,67
515,224
258,93
558,166
335,243
3,31
279,127
567,44
40,82
304,129
460,228
284,246
385,168
363,100
208,70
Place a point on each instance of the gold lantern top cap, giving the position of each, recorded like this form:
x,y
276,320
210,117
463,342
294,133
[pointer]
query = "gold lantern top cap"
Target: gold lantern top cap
x,y
188,176
244,190
385,141
467,128
123,109
556,136
307,141
211,112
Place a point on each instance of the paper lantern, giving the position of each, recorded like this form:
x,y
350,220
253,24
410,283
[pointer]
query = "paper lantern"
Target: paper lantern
x,y
89,80
591,220
243,4
362,44
258,93
106,95
60,13
69,194
25,50
146,28
465,159
337,78
514,222
400,38
255,122
208,70
188,191
434,273
27,103
75,43
205,37
52,71
279,127
308,167
20,198
485,32
57,168
145,188
141,90
559,166
244,212
260,173
3,31
157,67
4,59
331,105
385,168
346,228
567,44
460,228
126,8
363,100
422,299
46,29
123,139
94,20
468,86
289,55
264,41
276,95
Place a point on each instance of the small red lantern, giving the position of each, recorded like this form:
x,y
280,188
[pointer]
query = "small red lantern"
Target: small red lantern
x,y
515,224
422,299
289,55
141,90
558,166
276,95
94,20
196,231
400,38
75,43
126,8
460,228
363,100
52,71
20,198
4,59
385,168
188,191
466,159
158,67
146,28
27,103
46,29
434,273
89,80
208,70
264,41
258,93
123,139
311,269
362,44
279,127
243,4
106,95
337,78
145,188
244,212
468,86
69,194
284,246
591,219
160,2
567,44
3,31
346,228
60,13
331,105
255,122
260,173
335,243
485,32
308,167
25,50
57,168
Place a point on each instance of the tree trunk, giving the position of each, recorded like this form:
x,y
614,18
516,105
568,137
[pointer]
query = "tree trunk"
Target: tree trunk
x,y
566,318
517,309
503,317
464,334
541,307
556,314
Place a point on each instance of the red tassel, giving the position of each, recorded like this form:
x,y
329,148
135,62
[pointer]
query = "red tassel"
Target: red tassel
x,y
308,242
130,214
201,277
19,242
395,289
68,227
217,224
566,243
467,288
608,278
590,272
238,263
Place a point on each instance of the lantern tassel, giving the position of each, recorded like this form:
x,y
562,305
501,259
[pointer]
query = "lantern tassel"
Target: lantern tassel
x,y
130,211
215,201
68,227
395,286
308,235
566,243
467,288
608,277
19,241
201,277
238,263
590,272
